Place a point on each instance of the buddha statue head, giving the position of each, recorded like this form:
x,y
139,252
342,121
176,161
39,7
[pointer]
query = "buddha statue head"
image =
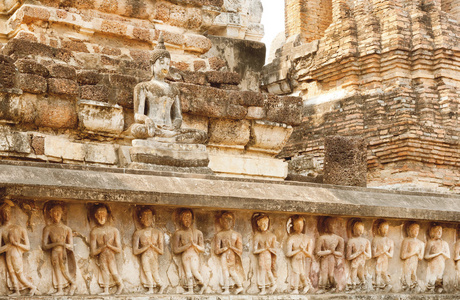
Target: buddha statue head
x,y
160,60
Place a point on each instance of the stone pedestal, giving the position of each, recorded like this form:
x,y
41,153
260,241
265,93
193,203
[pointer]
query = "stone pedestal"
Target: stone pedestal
x,y
151,154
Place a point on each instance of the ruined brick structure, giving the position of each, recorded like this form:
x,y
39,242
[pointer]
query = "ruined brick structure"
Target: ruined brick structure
x,y
384,70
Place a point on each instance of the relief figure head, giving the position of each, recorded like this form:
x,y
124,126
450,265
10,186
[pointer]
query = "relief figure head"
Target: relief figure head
x,y
186,218
413,230
263,222
436,232
101,215
358,228
146,217
330,225
298,224
56,213
227,220
6,213
383,228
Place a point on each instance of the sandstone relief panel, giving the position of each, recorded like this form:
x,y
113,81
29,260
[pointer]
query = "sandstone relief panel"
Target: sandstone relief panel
x,y
46,250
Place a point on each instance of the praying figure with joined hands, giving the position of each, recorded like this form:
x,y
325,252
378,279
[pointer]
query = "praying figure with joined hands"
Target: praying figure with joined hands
x,y
382,251
148,243
358,252
300,252
14,242
188,243
105,243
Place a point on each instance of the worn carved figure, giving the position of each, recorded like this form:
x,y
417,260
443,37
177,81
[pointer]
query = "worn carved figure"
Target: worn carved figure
x,y
382,251
457,258
412,251
157,105
265,248
358,252
229,246
436,253
329,249
188,243
57,238
300,251
14,242
148,244
105,243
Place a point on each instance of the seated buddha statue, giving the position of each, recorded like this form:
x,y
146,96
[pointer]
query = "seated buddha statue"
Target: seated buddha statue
x,y
157,110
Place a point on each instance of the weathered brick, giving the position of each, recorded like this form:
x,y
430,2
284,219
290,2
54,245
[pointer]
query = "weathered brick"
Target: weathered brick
x,y
24,48
215,77
32,83
38,144
31,67
62,71
56,113
194,77
95,92
286,109
77,46
7,72
62,86
88,77
216,63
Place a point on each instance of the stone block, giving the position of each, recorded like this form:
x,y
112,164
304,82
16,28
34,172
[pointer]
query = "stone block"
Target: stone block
x,y
225,164
73,45
194,77
124,97
233,133
62,71
255,113
209,102
38,144
32,83
62,86
18,48
88,77
7,72
285,109
175,155
62,148
345,161
199,65
55,113
249,98
101,153
31,67
198,43
11,141
95,92
268,137
99,117
217,63
216,77
195,122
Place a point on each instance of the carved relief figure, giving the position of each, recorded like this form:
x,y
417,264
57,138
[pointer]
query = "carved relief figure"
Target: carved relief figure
x,y
457,257
412,250
329,249
148,244
266,252
382,251
57,238
300,251
358,252
157,105
229,246
188,243
436,253
105,243
14,242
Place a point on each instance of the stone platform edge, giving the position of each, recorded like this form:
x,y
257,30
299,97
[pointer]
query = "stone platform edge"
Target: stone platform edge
x,y
42,181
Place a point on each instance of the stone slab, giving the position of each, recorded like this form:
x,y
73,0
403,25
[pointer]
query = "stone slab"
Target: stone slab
x,y
56,181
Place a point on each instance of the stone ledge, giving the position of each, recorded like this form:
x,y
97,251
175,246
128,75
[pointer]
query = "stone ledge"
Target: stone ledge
x,y
255,297
100,184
